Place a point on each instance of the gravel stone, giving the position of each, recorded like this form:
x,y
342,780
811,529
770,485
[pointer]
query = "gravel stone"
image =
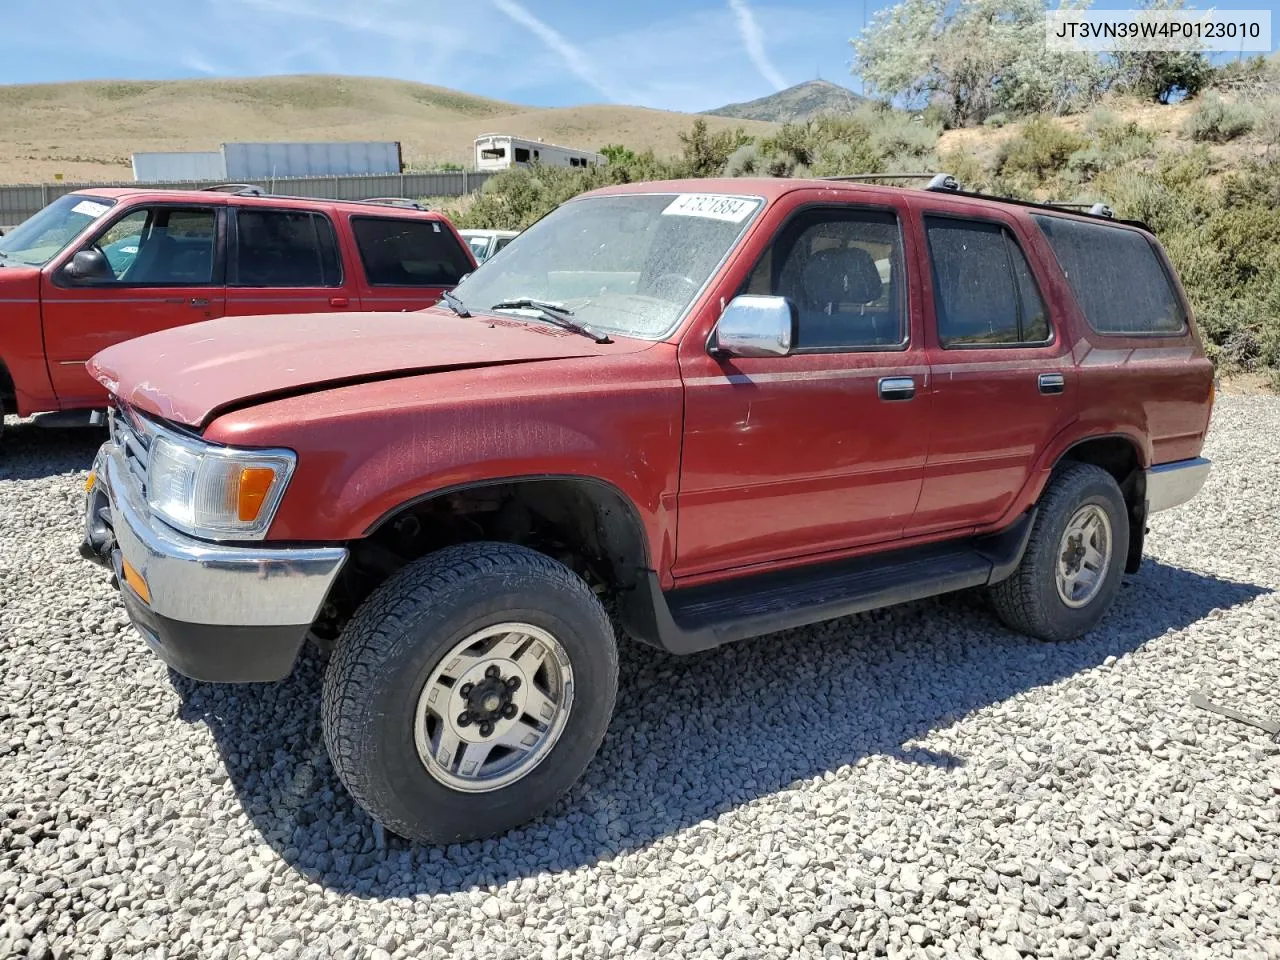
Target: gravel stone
x,y
914,782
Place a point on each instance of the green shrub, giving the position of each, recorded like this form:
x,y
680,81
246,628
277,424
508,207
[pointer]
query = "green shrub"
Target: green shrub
x,y
1041,150
1217,121
1112,143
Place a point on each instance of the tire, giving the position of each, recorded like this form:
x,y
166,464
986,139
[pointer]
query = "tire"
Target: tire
x,y
1031,601
389,663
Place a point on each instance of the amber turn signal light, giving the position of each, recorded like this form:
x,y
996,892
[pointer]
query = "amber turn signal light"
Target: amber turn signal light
x,y
255,484
134,579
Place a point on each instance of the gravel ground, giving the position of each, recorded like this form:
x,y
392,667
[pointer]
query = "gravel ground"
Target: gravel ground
x,y
917,782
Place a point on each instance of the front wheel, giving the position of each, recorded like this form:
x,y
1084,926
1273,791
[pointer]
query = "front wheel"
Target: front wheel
x,y
1074,559
469,692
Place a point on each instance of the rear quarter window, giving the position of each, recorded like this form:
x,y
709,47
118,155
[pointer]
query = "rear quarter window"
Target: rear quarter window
x,y
409,253
1117,278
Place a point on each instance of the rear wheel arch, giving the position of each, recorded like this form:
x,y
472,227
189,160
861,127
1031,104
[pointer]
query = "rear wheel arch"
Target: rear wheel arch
x,y
1122,457
8,394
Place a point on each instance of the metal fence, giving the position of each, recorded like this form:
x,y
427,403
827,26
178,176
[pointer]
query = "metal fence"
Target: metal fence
x,y
20,201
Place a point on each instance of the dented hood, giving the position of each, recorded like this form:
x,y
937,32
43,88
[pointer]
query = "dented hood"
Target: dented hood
x,y
188,374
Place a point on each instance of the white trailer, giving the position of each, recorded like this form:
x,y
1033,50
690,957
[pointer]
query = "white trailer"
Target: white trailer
x,y
497,151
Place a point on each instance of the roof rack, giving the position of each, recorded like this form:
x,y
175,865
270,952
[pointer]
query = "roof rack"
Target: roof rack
x,y
944,182
394,202
236,189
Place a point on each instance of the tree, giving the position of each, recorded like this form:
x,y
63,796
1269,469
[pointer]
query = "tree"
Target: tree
x,y
1161,75
616,153
976,57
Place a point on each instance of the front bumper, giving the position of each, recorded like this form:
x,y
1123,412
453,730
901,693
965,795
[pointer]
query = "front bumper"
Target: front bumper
x,y
224,614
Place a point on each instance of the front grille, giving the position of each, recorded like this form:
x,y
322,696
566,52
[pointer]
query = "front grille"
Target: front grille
x,y
129,433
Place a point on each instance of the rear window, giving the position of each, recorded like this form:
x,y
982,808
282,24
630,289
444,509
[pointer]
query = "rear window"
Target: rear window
x,y
1116,276
409,253
984,293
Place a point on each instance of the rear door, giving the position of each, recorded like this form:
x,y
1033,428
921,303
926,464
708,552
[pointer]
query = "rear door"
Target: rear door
x,y
1003,377
407,263
283,261
166,269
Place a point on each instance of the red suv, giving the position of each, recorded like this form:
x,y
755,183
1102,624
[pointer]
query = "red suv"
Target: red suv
x,y
728,407
98,267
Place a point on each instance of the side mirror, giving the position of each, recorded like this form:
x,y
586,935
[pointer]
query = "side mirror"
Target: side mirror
x,y
754,326
88,265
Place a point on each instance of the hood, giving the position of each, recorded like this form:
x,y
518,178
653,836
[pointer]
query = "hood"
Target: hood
x,y
19,283
188,374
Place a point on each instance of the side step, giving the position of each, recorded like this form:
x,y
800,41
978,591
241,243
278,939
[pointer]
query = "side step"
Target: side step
x,y
698,618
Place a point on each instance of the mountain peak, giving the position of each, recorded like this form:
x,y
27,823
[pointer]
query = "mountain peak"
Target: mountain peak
x,y
804,101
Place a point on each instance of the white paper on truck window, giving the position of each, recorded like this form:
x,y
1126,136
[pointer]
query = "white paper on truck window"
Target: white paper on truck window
x,y
90,208
711,206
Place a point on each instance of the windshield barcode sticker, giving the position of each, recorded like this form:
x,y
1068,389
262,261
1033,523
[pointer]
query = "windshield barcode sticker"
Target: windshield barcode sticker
x,y
90,209
711,206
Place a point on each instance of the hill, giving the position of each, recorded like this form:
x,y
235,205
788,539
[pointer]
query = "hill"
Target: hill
x,y
88,130
804,101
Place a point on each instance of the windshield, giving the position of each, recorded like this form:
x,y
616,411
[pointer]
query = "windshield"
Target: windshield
x,y
39,239
628,264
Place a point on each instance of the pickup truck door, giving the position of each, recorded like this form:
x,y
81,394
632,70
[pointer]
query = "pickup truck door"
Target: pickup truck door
x,y
405,263
284,261
824,450
166,269
1003,379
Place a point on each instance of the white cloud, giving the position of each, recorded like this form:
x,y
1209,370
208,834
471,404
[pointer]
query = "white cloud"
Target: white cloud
x,y
557,44
753,40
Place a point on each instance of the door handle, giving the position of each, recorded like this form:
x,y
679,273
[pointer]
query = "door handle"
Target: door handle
x,y
339,302
199,301
897,388
1052,383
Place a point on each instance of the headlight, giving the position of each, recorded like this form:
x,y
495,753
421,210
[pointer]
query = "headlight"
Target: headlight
x,y
218,493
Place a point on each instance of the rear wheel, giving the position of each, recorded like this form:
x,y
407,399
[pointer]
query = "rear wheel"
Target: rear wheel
x,y
469,692
1074,559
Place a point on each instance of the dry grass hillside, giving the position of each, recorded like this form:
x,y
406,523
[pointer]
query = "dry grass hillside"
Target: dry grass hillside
x,y
87,131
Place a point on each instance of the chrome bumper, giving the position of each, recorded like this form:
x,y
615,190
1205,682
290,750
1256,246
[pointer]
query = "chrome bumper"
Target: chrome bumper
x,y
215,612
1170,485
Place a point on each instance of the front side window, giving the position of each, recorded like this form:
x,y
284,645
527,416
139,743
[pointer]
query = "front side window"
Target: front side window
x,y
40,238
843,270
1116,276
279,248
983,291
160,246
629,264
410,253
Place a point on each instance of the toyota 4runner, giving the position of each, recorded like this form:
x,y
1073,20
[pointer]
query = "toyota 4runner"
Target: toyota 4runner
x,y
725,407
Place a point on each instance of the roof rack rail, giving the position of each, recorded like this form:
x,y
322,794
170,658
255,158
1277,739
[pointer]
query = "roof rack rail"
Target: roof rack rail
x,y
937,181
395,202
236,189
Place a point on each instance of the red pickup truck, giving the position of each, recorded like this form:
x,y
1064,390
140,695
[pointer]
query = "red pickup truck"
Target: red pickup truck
x,y
99,267
728,407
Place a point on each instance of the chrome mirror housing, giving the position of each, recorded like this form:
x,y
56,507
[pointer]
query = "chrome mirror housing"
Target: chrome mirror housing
x,y
753,326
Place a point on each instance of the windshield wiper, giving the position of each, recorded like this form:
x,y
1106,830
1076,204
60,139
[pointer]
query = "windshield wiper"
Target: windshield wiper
x,y
556,314
451,301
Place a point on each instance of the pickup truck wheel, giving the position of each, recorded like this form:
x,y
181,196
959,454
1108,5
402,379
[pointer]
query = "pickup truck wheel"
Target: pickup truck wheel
x,y
469,692
1074,560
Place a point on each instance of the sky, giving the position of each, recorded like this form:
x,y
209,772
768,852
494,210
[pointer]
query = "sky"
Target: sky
x,y
668,54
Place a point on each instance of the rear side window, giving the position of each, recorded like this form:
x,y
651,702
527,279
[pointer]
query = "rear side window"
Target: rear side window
x,y
278,248
984,292
409,253
1116,276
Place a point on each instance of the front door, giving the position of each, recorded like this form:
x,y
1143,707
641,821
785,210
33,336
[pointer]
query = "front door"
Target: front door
x,y
824,450
165,270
